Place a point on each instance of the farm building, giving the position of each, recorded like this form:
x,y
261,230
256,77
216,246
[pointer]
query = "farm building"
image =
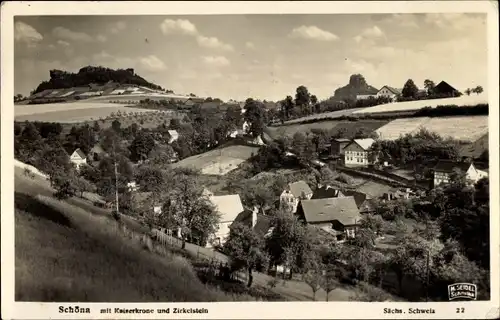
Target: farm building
x,y
445,89
338,216
338,145
323,192
366,94
290,197
444,169
78,158
388,92
229,207
357,153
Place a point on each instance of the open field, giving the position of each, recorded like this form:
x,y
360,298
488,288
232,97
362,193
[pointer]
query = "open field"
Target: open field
x,y
218,161
350,126
319,116
71,112
136,97
419,104
465,128
65,253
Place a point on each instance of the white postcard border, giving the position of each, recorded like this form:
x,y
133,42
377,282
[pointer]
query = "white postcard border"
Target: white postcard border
x,y
243,310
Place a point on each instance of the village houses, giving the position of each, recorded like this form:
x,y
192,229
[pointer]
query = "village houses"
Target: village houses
x,y
388,92
358,153
173,135
444,169
78,158
293,193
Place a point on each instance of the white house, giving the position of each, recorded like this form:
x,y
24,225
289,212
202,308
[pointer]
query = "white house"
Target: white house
x,y
291,196
357,153
229,207
388,92
78,158
173,135
132,186
444,169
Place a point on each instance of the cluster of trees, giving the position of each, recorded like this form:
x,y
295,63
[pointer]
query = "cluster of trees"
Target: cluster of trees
x,y
412,92
89,75
476,90
305,104
420,149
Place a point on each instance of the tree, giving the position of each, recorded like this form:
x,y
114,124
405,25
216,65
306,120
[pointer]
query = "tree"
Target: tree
x,y
314,272
303,99
81,185
329,280
468,91
116,126
63,183
150,178
255,117
162,155
429,85
185,207
374,223
478,90
288,106
410,89
255,193
246,249
141,146
175,124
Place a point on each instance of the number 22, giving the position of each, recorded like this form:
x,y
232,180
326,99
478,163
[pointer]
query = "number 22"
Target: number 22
x,y
460,310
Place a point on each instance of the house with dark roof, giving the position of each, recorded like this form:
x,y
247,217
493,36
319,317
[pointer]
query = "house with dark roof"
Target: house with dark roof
x,y
323,192
261,224
78,158
369,92
444,169
388,92
445,89
293,193
338,215
358,153
338,145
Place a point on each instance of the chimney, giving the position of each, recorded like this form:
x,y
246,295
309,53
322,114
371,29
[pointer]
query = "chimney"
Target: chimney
x,y
254,216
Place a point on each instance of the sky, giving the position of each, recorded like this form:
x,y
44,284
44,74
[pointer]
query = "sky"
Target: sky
x,y
259,56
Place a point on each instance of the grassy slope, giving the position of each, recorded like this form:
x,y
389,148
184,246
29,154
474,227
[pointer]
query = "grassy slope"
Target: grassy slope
x,y
65,253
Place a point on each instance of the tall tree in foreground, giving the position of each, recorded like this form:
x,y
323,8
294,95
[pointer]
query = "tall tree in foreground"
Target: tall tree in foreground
x,y
246,250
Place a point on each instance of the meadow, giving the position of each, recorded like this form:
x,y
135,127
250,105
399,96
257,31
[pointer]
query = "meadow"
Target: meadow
x,y
325,115
468,128
351,127
65,253
419,104
218,161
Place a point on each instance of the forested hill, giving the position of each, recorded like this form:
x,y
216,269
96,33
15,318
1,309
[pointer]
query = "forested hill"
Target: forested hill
x,y
90,75
357,85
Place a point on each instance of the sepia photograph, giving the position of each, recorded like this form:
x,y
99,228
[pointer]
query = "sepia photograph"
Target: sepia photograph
x,y
252,157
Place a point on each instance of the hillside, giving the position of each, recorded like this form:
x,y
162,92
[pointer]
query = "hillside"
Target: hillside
x,y
357,85
69,252
94,77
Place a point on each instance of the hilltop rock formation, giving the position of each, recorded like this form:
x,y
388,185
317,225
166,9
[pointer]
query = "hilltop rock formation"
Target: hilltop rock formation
x,y
90,75
357,85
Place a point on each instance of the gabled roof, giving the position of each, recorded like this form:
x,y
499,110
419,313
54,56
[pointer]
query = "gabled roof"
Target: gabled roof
x,y
326,192
391,89
173,133
359,197
342,140
343,210
444,86
80,153
448,166
298,188
229,206
365,144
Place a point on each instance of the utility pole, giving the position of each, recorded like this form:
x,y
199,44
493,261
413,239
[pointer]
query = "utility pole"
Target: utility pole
x,y
116,180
